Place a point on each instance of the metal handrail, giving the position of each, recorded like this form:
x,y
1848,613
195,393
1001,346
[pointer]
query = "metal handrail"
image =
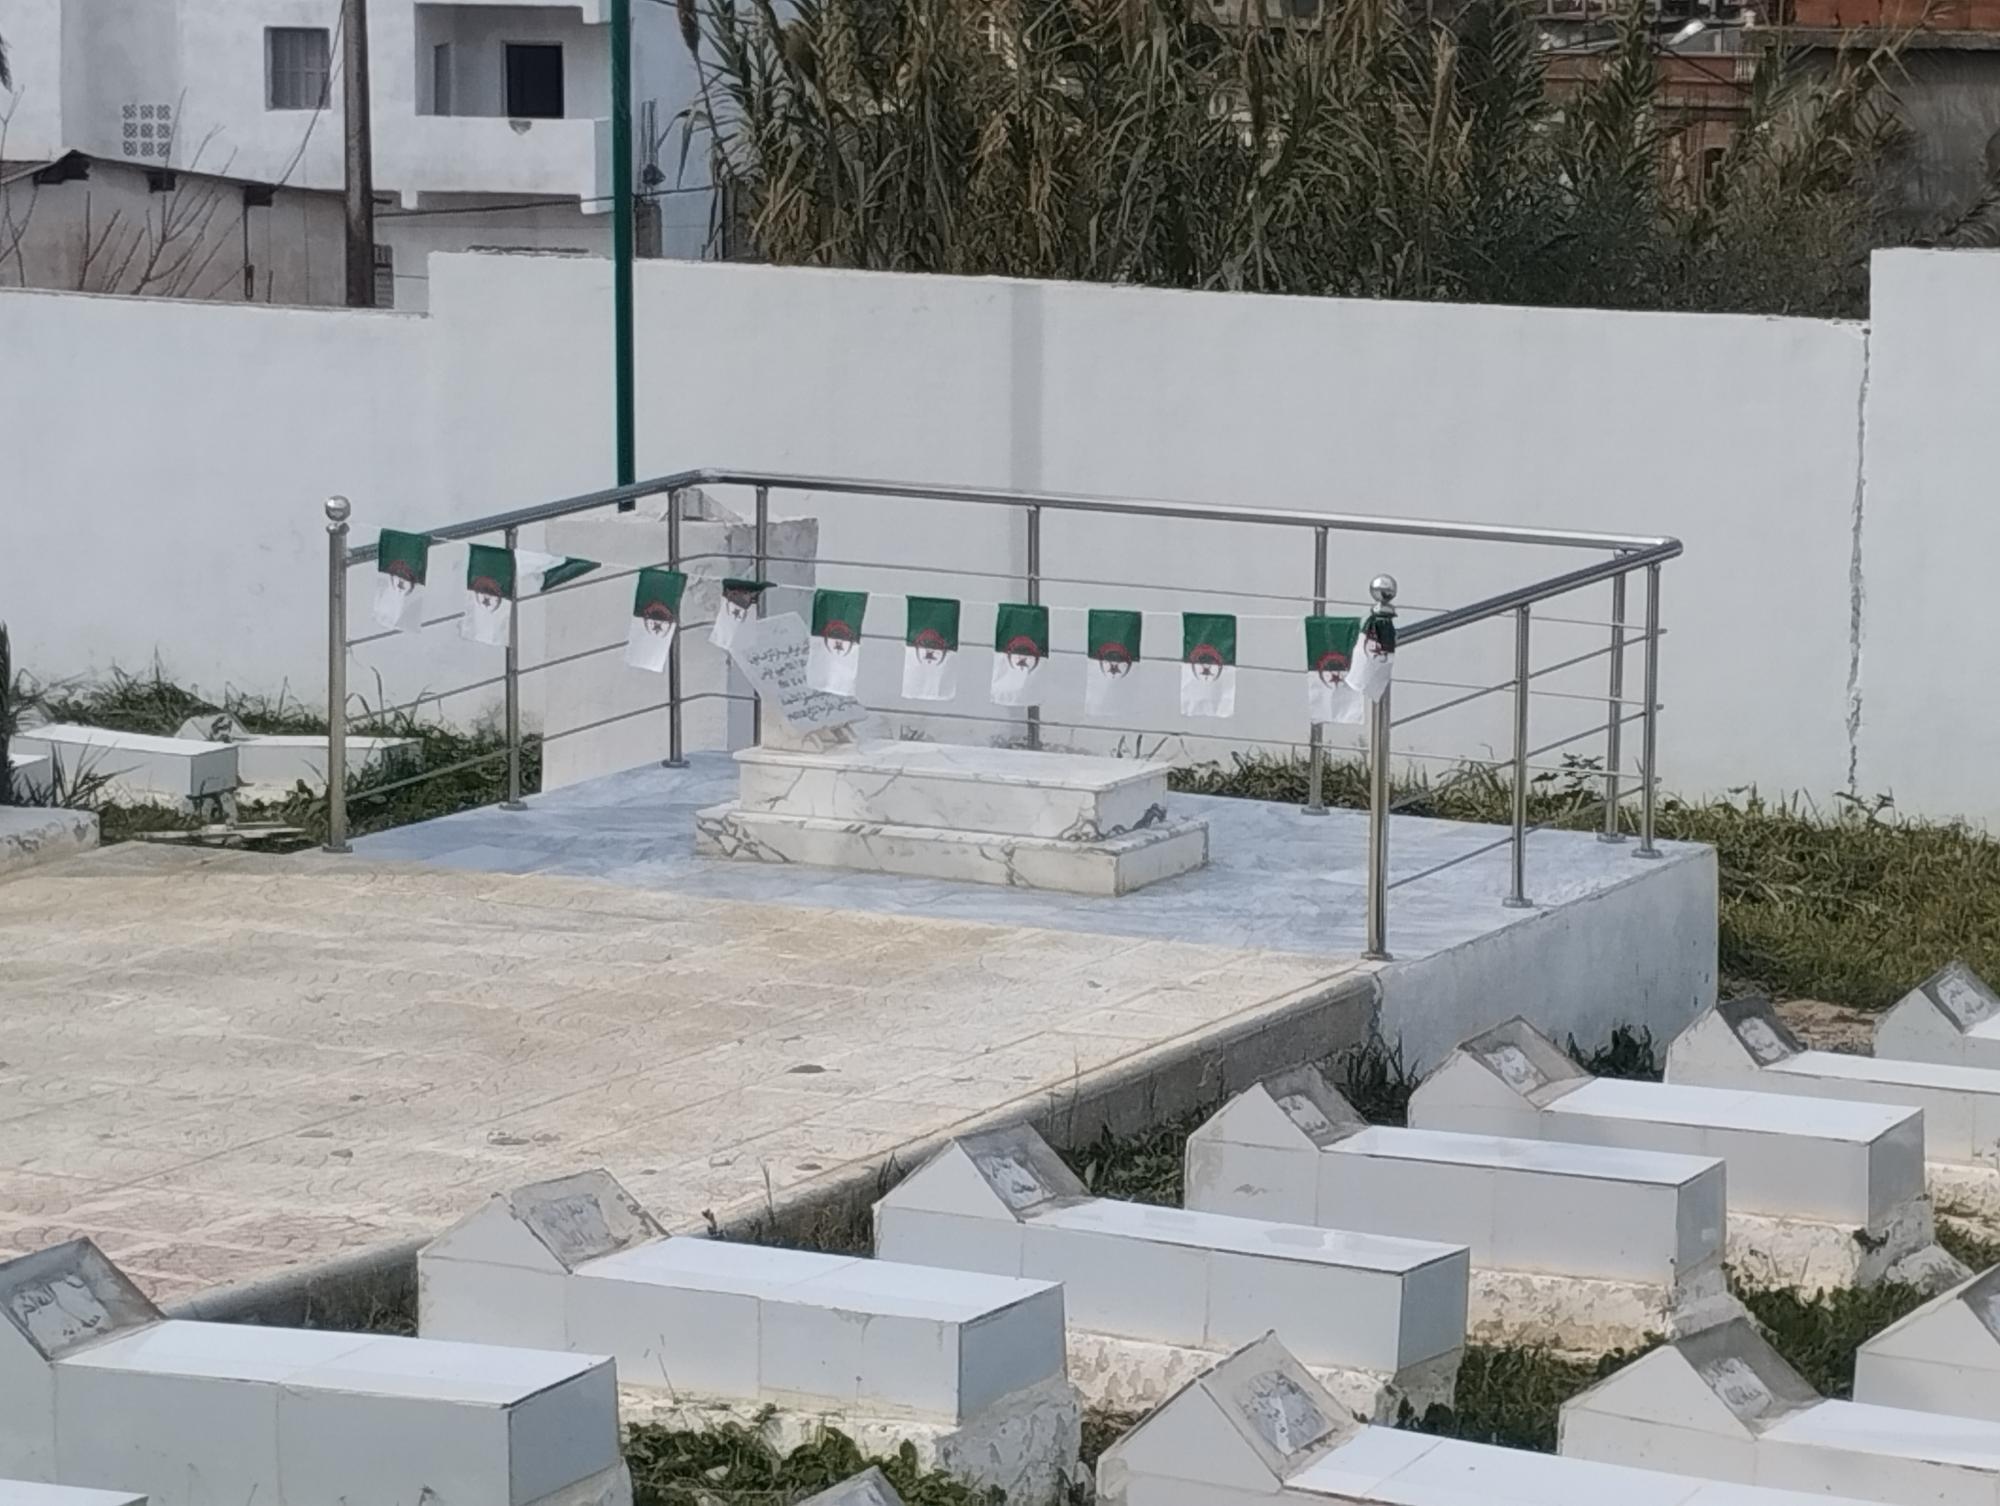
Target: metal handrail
x,y
1627,554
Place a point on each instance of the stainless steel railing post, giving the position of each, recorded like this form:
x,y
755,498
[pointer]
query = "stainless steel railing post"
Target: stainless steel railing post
x,y
1517,894
762,545
1315,792
1649,728
1034,599
676,758
337,510
1383,589
513,801
1614,740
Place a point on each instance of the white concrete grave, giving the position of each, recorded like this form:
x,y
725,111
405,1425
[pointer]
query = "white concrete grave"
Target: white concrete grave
x,y
1154,1295
34,774
869,1488
24,1493
270,765
970,1368
1257,1428
1724,1404
1742,1043
135,767
1944,1357
1951,1017
98,1389
1581,1246
1064,821
1821,1193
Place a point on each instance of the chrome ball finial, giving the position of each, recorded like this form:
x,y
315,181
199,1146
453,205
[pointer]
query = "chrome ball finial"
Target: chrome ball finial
x,y
337,509
1383,589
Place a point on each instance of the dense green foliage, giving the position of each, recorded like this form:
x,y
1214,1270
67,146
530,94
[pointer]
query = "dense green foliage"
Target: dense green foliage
x,y
734,1466
1396,151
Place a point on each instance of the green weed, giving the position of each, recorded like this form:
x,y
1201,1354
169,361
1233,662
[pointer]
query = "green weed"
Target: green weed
x,y
732,1465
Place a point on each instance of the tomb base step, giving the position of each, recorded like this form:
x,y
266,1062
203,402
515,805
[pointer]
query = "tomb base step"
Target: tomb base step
x,y
1016,792
1136,1375
1799,1253
1115,865
1025,1445
1586,1316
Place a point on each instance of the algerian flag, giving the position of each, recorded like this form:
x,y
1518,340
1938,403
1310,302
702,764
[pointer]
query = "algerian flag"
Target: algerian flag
x,y
1020,649
833,662
493,578
739,605
930,649
1111,682
1371,672
656,617
402,561
1329,656
1208,664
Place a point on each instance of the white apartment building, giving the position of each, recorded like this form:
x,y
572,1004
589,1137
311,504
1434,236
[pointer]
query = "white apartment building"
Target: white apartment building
x,y
490,123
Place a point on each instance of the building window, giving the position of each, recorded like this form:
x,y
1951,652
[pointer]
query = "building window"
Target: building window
x,y
385,277
441,79
535,80
296,71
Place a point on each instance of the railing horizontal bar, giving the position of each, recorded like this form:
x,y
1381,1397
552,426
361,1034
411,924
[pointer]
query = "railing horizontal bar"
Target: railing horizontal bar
x,y
1464,857
1543,590
1053,501
355,719
450,768
1477,691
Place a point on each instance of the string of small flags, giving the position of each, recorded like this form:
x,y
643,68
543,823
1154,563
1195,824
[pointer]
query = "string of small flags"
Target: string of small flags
x,y
1347,661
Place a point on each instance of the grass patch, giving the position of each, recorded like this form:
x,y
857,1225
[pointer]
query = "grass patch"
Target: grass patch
x,y
1512,1397
1980,1251
732,1465
1852,904
1818,1334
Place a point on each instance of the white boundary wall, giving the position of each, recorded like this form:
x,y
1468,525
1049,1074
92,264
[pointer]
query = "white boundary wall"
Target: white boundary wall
x,y
166,464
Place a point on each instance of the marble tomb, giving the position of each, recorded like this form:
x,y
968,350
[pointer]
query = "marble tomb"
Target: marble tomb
x,y
24,1493
1154,1295
869,1488
1583,1247
1951,1017
1944,1357
134,766
1821,1193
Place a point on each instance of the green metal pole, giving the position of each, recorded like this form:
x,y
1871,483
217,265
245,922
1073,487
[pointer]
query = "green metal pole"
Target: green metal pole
x,y
621,238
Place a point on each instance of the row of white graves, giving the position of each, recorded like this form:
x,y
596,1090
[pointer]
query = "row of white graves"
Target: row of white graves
x,y
1584,1247
1743,1043
1822,1192
1155,1295
97,1389
967,1367
1723,1404
210,758
1257,1428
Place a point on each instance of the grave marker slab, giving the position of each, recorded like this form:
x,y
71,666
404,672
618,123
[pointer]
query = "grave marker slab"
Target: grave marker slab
x,y
1154,1294
1743,1043
1581,1246
869,1488
135,766
972,1366
97,1389
1951,1017
24,1493
1944,1357
1804,1174
1724,1404
1258,1428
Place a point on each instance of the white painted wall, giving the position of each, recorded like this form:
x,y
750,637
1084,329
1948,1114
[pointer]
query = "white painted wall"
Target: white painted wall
x,y
1741,435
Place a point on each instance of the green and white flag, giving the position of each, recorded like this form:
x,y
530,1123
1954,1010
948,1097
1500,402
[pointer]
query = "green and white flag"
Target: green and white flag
x,y
833,661
737,607
930,649
1329,656
1208,664
1020,649
656,617
402,563
1377,660
495,578
1111,680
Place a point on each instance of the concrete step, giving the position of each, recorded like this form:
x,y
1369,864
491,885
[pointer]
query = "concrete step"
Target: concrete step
x,y
1012,792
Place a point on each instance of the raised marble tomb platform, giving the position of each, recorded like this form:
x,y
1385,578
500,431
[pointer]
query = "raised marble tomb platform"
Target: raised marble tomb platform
x,y
1033,820
1821,1192
1257,1429
1723,1403
968,1368
1155,1295
1741,1043
98,1389
1944,1357
1584,1247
